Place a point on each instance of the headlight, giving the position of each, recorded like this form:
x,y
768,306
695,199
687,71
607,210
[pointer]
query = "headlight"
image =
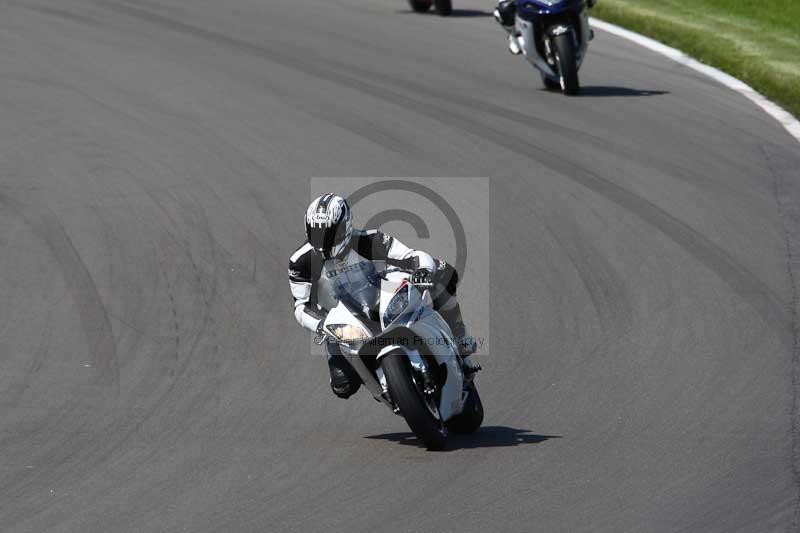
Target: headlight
x,y
348,332
538,4
397,305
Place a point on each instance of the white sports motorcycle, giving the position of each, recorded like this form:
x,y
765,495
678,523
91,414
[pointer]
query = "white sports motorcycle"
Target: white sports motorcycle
x,y
404,352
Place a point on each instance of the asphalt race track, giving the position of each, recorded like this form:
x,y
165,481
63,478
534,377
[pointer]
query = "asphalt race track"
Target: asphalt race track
x,y
154,166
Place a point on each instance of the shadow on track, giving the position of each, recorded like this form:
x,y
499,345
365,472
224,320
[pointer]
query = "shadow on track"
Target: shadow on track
x,y
486,437
469,13
602,90
457,13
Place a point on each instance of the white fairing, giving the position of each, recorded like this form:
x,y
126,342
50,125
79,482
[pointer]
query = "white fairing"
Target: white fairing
x,y
340,315
426,324
526,40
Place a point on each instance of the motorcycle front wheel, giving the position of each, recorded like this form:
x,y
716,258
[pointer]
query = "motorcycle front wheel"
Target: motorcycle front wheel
x,y
420,6
420,411
567,60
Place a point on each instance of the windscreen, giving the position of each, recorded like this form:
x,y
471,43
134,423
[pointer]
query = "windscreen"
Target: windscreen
x,y
358,287
535,4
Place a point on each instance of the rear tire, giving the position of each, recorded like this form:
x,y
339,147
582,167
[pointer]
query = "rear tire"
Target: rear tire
x,y
405,394
444,7
420,6
567,63
471,418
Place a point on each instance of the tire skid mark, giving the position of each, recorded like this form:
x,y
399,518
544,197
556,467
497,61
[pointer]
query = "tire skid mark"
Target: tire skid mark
x,y
208,321
554,129
214,296
93,315
65,448
179,367
209,297
173,310
119,431
40,354
61,14
124,428
604,286
185,247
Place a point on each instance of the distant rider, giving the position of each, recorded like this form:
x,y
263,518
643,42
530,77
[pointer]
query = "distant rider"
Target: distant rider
x,y
332,246
505,12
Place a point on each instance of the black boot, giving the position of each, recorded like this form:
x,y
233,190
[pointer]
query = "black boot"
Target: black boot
x,y
344,380
453,318
446,304
505,13
466,345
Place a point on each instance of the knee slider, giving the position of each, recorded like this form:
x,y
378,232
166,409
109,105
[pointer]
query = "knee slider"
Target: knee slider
x,y
345,390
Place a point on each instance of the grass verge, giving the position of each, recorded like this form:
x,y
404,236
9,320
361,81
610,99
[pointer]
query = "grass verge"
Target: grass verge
x,y
757,41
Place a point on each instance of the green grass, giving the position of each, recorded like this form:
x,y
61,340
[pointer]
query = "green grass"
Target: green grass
x,y
757,41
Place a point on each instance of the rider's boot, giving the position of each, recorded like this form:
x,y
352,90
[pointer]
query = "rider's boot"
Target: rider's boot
x,y
344,381
505,12
504,15
451,312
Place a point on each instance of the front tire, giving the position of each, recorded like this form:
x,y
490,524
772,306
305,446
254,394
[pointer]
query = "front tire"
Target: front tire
x,y
420,6
409,399
444,7
567,61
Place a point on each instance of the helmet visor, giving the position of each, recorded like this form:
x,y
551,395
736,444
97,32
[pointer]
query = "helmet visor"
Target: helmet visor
x,y
326,239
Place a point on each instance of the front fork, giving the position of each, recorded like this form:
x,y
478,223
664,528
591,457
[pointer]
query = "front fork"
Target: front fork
x,y
525,30
420,367
552,33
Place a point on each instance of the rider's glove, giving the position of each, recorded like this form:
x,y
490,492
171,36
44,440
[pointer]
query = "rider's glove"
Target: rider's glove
x,y
423,277
320,332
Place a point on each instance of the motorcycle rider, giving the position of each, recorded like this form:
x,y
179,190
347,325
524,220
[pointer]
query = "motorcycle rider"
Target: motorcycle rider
x,y
505,12
332,246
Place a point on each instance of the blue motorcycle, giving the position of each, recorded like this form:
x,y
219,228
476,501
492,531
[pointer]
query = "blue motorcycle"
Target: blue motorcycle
x,y
553,35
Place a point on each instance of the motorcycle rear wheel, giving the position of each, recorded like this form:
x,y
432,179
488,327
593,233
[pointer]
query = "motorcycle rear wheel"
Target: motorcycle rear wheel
x,y
444,7
408,397
420,6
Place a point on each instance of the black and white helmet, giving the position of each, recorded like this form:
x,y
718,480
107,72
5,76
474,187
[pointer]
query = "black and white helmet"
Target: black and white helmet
x,y
329,225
